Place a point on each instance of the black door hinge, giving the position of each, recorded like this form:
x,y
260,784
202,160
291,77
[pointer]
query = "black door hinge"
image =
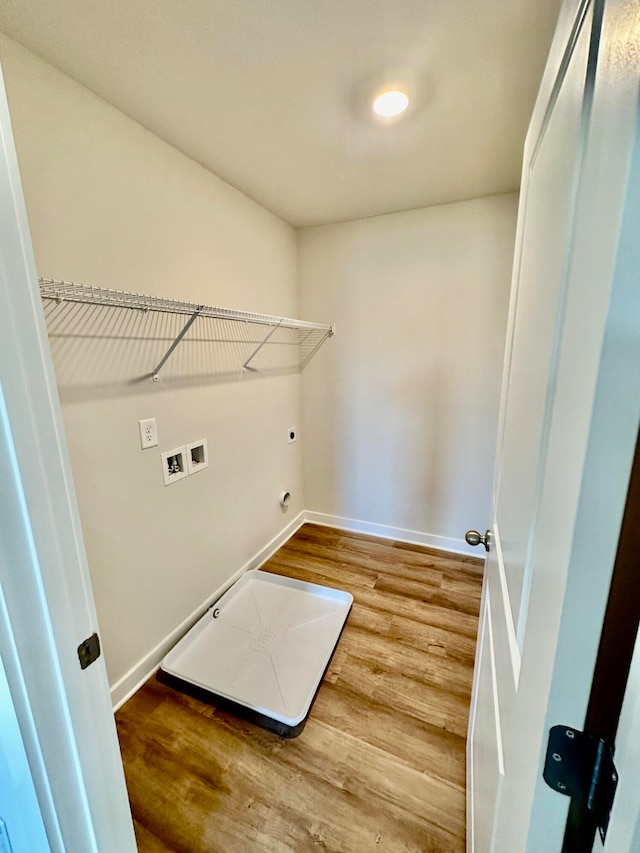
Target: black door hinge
x,y
580,765
88,651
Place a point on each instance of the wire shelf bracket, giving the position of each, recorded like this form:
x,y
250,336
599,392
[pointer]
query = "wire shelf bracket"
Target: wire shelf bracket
x,y
311,336
167,355
245,366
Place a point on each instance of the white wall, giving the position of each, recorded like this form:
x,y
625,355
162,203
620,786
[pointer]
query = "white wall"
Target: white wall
x,y
400,407
400,413
110,204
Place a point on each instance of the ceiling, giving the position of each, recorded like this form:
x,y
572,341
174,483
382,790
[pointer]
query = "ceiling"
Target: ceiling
x,y
273,96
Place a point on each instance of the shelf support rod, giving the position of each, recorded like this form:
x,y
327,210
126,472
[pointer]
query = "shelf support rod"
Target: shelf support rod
x,y
245,366
184,331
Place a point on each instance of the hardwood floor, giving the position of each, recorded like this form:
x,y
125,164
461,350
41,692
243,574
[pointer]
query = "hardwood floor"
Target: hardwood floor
x,y
380,765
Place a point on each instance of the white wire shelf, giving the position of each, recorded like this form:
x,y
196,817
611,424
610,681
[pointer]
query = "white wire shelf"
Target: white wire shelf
x,y
310,336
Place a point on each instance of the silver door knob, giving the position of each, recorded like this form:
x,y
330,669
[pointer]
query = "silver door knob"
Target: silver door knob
x,y
474,538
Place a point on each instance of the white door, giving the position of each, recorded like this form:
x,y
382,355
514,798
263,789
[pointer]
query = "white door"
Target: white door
x,y
63,713
569,418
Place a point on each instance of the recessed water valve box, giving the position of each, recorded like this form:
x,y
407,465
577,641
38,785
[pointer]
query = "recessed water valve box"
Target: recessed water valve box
x,y
174,465
197,456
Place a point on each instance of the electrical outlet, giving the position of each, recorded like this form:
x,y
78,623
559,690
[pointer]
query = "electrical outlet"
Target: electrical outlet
x,y
148,433
292,434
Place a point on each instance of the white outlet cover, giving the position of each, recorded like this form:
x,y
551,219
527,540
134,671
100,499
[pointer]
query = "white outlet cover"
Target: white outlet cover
x,y
148,433
179,454
292,434
200,450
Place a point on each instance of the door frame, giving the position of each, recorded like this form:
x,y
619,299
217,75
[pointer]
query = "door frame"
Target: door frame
x,y
615,418
47,603
615,653
603,299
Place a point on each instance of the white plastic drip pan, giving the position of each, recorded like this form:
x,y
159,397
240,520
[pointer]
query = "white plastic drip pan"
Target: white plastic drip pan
x,y
264,647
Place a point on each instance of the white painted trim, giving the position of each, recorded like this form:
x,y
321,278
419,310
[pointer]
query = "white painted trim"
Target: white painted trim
x,y
45,576
126,686
497,721
399,534
514,648
494,682
473,707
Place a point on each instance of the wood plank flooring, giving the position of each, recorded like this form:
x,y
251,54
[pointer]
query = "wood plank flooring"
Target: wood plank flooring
x,y
380,765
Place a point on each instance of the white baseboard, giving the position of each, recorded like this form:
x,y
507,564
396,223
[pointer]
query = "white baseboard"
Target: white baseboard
x,y
144,669
384,531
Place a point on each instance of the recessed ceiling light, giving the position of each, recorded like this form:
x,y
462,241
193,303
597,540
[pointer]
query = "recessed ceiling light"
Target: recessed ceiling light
x,y
389,104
